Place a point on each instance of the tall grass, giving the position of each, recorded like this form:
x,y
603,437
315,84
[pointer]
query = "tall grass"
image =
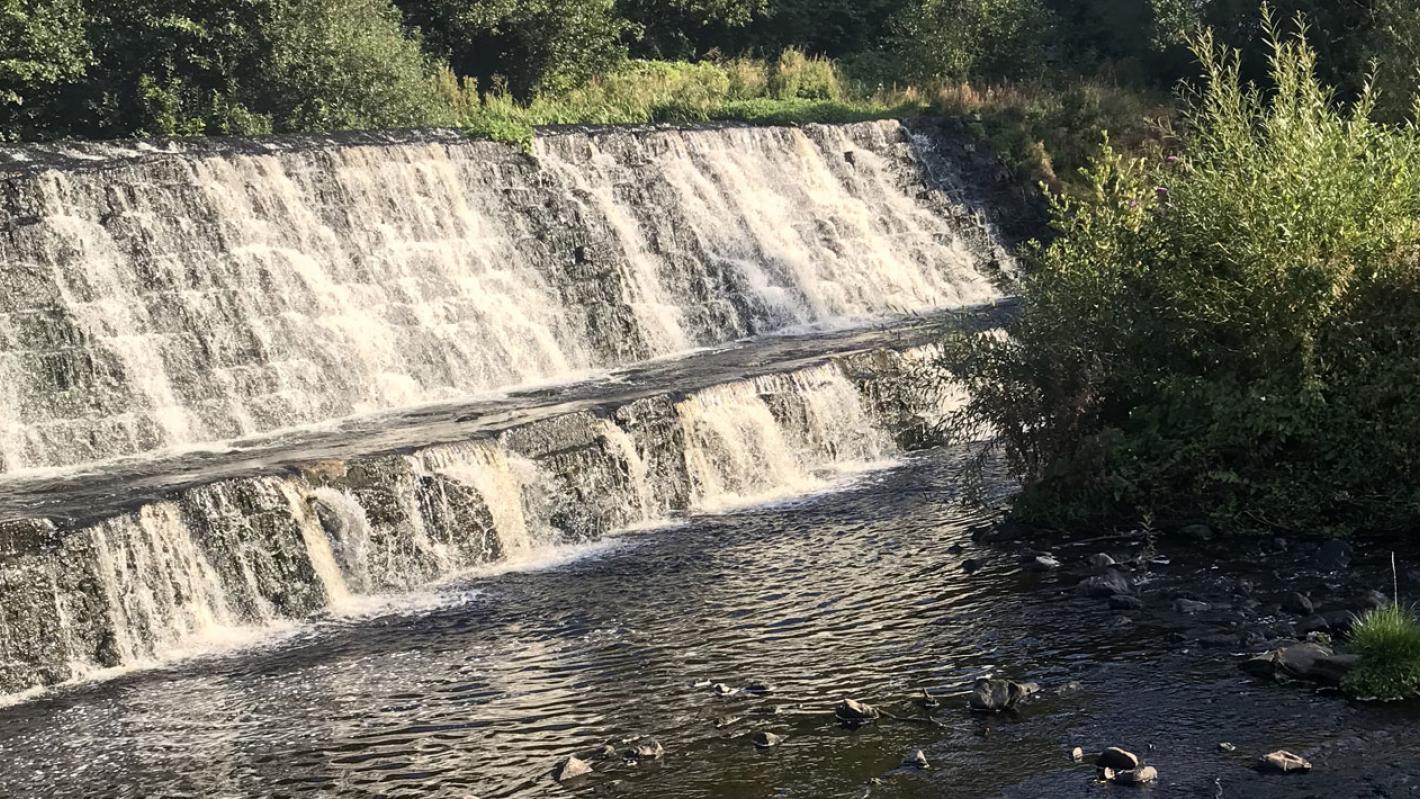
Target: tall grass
x,y
1388,643
796,88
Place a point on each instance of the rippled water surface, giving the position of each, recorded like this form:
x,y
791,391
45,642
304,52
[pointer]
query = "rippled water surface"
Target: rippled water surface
x,y
479,689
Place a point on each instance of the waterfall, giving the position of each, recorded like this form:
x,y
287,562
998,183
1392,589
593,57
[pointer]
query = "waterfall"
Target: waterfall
x,y
157,298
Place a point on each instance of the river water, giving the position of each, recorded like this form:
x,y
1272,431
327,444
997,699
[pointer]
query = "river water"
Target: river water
x,y
480,686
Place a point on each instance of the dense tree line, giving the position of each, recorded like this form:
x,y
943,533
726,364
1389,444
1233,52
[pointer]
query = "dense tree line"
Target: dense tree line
x,y
122,67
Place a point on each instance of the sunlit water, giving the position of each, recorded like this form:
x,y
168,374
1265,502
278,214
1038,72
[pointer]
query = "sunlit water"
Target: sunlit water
x,y
480,686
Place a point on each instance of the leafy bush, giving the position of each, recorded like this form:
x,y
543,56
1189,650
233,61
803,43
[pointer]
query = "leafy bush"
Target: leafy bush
x,y
798,76
951,40
1388,643
1233,333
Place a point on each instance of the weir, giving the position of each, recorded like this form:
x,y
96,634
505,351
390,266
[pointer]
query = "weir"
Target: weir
x,y
248,383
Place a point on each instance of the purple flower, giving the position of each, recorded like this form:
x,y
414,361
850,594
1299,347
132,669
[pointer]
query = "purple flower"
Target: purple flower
x,y
1173,159
1162,191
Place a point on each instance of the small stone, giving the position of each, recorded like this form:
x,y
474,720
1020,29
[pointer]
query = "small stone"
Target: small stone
x,y
572,768
759,688
1138,776
1279,544
955,549
651,750
1043,563
917,759
927,700
1226,747
722,689
1077,755
971,565
852,713
1117,759
1283,763
1100,560
766,740
1299,604
727,721
607,751
1190,607
701,684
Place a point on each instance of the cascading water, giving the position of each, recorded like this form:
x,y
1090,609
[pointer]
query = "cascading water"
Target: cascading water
x,y
207,292
160,299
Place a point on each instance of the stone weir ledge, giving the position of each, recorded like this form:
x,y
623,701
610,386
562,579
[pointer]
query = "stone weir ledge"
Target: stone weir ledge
x,y
121,563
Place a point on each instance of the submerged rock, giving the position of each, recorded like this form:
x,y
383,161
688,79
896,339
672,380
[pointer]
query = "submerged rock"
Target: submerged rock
x,y
926,700
1043,563
1281,762
1100,560
648,750
1299,604
571,768
853,714
995,696
1077,755
1138,776
1190,607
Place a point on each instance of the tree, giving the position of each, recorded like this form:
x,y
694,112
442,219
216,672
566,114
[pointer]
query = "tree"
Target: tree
x,y
958,39
1395,50
535,45
42,47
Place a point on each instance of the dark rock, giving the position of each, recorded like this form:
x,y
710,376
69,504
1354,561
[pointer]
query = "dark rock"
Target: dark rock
x,y
1123,602
1305,661
1218,641
854,714
1279,544
1298,603
766,740
1100,560
571,768
1244,588
1201,533
1332,669
1314,624
1117,759
995,696
1283,763
917,759
1106,585
1373,600
1334,556
759,688
955,549
1190,606
851,157
971,565
722,689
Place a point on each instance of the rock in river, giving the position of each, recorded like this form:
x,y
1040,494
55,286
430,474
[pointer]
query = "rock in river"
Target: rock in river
x,y
917,759
1283,763
1334,556
1300,604
1190,607
571,768
852,713
1117,759
646,751
1125,602
1138,776
766,740
1306,661
1106,585
994,696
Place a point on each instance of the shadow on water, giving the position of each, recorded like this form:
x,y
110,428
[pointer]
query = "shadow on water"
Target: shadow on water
x,y
483,688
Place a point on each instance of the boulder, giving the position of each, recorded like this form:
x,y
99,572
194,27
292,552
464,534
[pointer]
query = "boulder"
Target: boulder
x,y
852,713
1334,556
767,740
1283,763
1117,759
1332,669
571,768
1124,602
1305,661
1299,604
1103,586
995,696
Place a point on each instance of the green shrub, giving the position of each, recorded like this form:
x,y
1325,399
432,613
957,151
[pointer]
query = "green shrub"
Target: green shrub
x,y
802,77
1234,333
1388,643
